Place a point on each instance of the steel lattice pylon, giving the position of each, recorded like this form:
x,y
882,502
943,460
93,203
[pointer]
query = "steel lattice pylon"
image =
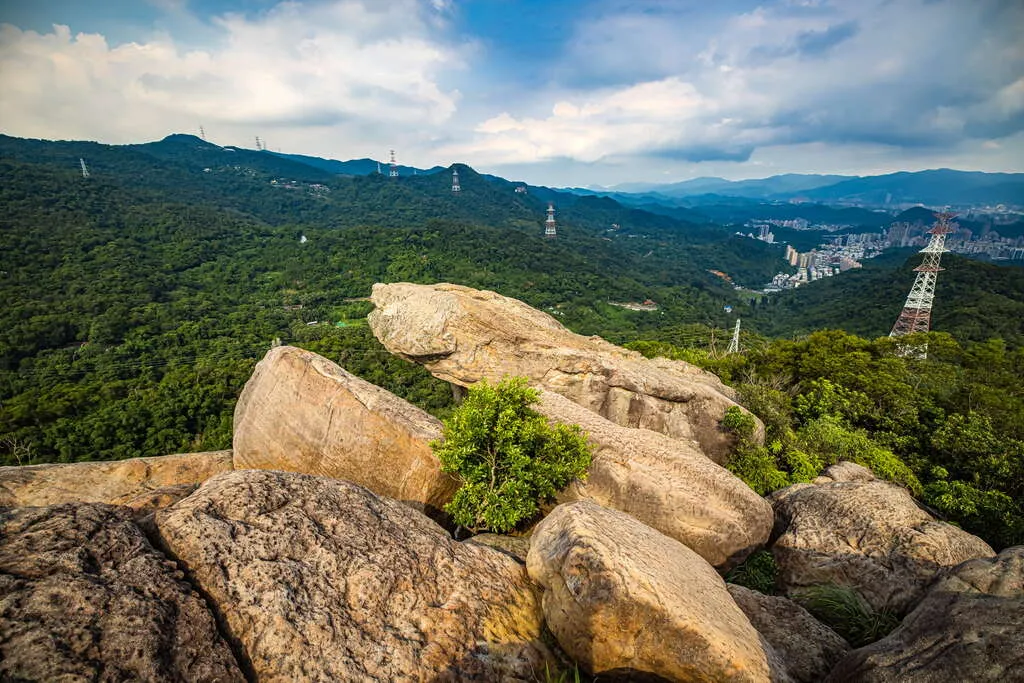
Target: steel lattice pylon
x,y
916,315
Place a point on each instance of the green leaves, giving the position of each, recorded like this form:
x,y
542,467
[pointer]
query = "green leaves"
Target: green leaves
x,y
507,456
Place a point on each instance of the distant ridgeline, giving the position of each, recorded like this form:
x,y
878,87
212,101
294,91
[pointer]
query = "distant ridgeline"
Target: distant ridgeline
x,y
140,297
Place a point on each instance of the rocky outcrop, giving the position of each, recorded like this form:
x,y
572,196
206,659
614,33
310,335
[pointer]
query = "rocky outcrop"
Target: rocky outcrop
x,y
319,579
667,484
83,596
133,482
806,648
463,335
622,598
869,535
969,627
299,412
845,470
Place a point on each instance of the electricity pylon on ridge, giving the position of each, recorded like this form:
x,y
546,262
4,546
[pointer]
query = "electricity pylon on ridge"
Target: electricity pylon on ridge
x,y
916,315
734,343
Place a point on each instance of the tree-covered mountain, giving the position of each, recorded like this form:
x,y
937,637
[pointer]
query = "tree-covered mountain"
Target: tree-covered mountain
x,y
974,301
356,166
139,298
935,188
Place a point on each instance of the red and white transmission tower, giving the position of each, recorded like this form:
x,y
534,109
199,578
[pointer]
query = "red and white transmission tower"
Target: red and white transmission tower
x,y
549,224
393,172
917,312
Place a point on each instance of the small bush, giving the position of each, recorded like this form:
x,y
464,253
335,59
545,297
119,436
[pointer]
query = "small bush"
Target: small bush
x,y
506,456
847,613
757,573
828,439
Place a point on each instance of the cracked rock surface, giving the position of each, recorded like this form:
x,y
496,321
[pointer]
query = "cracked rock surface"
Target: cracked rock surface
x,y
805,648
133,482
321,580
869,535
85,597
463,335
623,599
299,412
969,627
667,484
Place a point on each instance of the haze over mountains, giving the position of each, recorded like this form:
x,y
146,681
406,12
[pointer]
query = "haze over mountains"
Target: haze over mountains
x,y
939,187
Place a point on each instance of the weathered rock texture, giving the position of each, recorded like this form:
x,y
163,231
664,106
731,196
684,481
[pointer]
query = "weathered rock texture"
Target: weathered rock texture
x,y
299,412
667,484
124,482
969,627
806,648
463,335
866,535
84,597
622,597
845,470
319,579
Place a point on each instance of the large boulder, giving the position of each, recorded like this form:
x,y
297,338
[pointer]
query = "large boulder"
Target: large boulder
x,y
806,649
463,335
666,484
299,412
135,482
85,597
969,627
320,579
622,598
869,535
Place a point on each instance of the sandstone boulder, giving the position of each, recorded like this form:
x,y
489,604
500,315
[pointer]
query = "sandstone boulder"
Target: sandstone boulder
x,y
666,484
84,597
806,648
463,335
117,483
320,579
845,470
969,627
299,412
622,598
870,536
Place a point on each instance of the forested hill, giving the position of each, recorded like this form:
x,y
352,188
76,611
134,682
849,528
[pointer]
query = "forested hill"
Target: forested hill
x,y
974,301
138,299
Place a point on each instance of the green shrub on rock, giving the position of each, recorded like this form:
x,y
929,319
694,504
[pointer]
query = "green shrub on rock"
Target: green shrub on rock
x,y
506,456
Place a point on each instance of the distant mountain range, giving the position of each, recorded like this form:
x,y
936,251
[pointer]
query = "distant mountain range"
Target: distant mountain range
x,y
934,188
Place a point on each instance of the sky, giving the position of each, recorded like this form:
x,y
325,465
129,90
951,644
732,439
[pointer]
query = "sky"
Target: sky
x,y
565,93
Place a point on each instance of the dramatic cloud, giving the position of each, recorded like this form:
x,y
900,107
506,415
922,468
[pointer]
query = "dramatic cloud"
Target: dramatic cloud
x,y
569,93
298,71
908,75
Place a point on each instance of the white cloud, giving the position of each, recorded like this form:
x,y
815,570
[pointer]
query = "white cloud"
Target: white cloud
x,y
905,76
300,71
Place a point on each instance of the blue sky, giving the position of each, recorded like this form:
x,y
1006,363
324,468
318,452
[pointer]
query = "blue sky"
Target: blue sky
x,y
563,93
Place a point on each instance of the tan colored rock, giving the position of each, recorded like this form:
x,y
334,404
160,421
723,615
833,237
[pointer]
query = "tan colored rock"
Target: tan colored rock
x,y
623,598
806,649
463,335
85,597
116,482
667,484
299,412
870,536
969,627
845,470
320,579
515,547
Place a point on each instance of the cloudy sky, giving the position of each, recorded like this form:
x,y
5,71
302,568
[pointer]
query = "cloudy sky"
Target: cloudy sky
x,y
579,92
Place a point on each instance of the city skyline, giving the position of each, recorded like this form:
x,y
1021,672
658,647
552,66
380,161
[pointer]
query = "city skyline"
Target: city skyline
x,y
567,93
